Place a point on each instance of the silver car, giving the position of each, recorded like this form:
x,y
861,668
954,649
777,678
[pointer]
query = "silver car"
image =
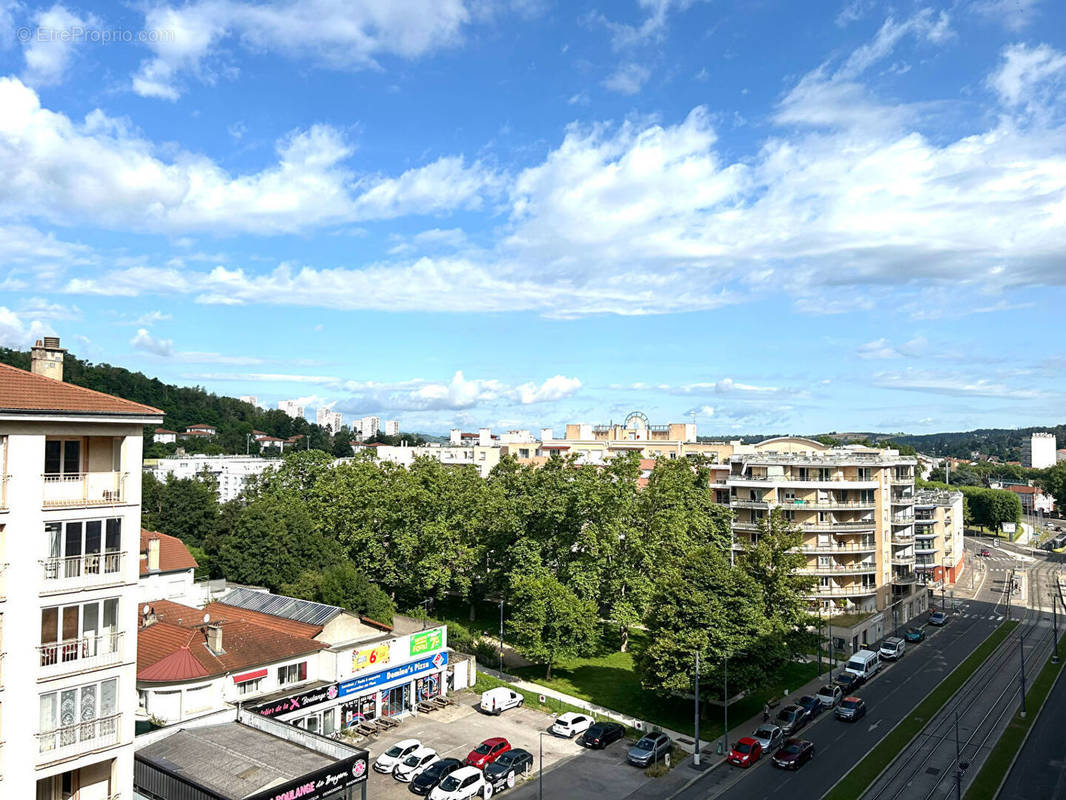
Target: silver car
x,y
651,748
769,737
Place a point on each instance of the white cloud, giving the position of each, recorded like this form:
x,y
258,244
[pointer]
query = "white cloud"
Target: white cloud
x,y
16,332
1014,15
955,385
337,34
1029,75
50,48
652,27
628,78
152,317
555,388
147,343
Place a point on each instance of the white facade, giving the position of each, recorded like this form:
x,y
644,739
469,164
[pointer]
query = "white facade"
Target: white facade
x,y
484,458
292,408
392,427
1039,451
369,426
164,437
69,601
249,398
231,472
329,419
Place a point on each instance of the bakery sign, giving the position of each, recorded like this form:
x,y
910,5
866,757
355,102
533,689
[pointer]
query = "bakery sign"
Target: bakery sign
x,y
298,701
325,782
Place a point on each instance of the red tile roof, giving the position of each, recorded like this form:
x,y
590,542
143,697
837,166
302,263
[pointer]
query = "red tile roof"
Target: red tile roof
x,y
289,626
1022,489
168,652
173,554
24,391
164,430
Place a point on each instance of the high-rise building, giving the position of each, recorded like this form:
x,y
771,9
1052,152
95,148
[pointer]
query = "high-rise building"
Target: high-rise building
x,y
369,426
249,398
292,408
392,427
1038,451
70,511
938,535
329,419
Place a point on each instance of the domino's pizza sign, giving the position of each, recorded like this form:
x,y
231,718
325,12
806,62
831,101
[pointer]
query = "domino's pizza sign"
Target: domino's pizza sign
x,y
407,671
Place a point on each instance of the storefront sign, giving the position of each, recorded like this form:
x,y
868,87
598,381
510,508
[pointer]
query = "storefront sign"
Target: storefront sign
x,y
370,657
298,701
426,641
326,781
409,670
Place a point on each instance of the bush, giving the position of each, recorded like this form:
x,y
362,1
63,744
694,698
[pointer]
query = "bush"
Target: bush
x,y
460,638
485,652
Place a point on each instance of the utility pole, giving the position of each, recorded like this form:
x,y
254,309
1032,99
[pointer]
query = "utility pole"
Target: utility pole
x,y
1055,622
1010,585
725,706
501,637
540,779
1021,655
819,640
960,766
696,752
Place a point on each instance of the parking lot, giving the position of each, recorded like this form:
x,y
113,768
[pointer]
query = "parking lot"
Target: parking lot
x,y
569,769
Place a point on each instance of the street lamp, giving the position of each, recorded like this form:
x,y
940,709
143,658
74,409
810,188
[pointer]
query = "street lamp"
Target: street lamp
x,y
540,778
1055,622
501,637
696,751
1021,655
960,766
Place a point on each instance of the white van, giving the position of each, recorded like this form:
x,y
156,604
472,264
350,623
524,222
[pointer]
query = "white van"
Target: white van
x,y
498,700
864,664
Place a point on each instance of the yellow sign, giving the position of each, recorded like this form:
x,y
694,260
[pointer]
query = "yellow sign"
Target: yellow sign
x,y
371,657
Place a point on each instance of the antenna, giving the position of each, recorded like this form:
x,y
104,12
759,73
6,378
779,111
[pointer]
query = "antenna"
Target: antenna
x,y
146,609
207,618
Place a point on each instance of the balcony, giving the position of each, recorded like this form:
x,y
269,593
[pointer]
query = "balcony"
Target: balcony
x,y
856,590
840,569
823,549
90,571
3,492
902,500
903,519
80,489
762,504
902,538
904,578
899,560
78,739
920,549
80,655
838,527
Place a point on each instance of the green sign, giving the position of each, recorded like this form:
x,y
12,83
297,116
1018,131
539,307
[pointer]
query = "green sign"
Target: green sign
x,y
426,641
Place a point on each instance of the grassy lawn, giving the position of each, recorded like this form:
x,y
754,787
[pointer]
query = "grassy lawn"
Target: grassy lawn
x,y
866,771
986,786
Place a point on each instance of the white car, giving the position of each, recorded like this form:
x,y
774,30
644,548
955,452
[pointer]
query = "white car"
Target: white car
x,y
571,724
412,766
463,783
388,760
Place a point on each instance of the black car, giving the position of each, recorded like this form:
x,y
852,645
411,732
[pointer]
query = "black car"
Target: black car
x,y
427,781
794,753
505,770
848,681
602,734
810,704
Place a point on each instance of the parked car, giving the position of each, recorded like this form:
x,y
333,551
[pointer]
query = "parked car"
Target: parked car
x,y
651,748
791,718
571,724
811,705
487,752
847,681
432,775
505,770
864,663
893,648
465,782
769,737
914,635
498,700
938,618
601,734
851,709
388,760
745,752
830,695
412,766
794,753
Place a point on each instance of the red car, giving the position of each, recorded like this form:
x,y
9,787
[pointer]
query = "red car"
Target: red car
x,y
985,553
745,752
487,752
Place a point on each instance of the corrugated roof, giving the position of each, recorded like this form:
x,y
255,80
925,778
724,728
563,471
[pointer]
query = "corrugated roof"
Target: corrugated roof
x,y
222,611
23,391
281,606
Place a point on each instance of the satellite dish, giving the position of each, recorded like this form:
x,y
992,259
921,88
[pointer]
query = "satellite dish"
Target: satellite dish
x,y
146,609
207,618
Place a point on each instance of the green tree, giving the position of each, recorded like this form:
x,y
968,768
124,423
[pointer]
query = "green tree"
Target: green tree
x,y
549,621
342,585
182,507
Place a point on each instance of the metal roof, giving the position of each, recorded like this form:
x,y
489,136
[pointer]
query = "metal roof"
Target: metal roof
x,y
279,605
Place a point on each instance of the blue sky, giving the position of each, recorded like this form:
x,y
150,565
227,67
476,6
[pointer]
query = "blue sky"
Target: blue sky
x,y
771,217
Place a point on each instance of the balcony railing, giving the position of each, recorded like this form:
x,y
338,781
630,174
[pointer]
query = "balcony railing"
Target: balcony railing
x,y
838,548
74,489
738,503
838,527
919,550
903,519
79,655
78,738
902,538
904,578
82,572
840,569
848,591
3,492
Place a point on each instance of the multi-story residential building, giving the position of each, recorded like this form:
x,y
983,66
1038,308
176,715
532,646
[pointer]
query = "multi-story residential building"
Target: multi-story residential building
x,y
369,426
329,419
484,458
249,398
292,408
232,473
392,427
1038,451
938,536
855,506
70,491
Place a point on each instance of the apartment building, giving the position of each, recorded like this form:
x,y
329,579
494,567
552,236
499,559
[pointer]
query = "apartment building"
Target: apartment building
x,y
369,426
392,427
855,506
484,458
1038,451
292,408
938,536
329,419
70,490
232,473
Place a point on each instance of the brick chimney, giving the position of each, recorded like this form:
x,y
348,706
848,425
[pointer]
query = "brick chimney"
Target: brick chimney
x,y
46,358
153,554
214,638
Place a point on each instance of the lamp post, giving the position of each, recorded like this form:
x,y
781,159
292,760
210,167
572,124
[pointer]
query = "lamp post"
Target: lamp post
x,y
501,637
1055,622
1021,655
696,751
960,766
819,640
725,704
540,778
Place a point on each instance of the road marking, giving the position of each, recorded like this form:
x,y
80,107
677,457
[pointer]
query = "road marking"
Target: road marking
x,y
872,727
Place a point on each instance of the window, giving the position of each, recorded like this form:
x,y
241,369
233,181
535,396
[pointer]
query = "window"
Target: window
x,y
92,547
249,687
790,515
78,631
62,456
292,673
71,712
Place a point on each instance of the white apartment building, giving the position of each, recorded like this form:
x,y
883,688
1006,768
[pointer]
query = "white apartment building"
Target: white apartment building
x,y
392,427
1038,451
164,436
938,536
292,408
329,419
70,510
249,398
369,426
231,472
484,458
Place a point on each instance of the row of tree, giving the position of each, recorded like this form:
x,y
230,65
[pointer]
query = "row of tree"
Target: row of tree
x,y
988,508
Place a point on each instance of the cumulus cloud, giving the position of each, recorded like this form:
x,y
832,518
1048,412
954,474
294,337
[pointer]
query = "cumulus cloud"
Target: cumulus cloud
x,y
17,332
337,34
1029,75
628,79
145,342
50,48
